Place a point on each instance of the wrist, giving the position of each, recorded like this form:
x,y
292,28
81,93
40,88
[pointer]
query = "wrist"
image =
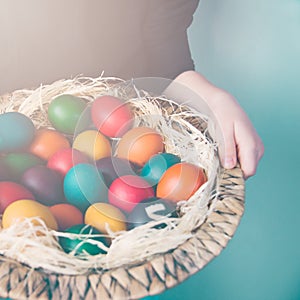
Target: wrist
x,y
212,95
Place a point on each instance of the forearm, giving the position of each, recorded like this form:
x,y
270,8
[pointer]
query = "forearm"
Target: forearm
x,y
204,89
195,90
198,83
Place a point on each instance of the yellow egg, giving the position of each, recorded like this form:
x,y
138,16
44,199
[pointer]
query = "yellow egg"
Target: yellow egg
x,y
93,144
100,214
21,209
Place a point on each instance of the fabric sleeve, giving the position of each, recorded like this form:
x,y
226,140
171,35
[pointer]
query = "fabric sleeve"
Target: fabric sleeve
x,y
165,37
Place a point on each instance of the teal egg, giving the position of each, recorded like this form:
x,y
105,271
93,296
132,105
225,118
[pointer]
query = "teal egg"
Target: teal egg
x,y
16,131
80,244
84,185
66,111
157,165
17,163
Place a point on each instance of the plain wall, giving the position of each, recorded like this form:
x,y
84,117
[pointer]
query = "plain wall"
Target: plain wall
x,y
252,49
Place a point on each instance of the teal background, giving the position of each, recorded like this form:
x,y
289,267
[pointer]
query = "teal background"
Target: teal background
x,y
252,49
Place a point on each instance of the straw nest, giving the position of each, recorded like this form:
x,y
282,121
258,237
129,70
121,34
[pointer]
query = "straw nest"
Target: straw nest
x,y
185,134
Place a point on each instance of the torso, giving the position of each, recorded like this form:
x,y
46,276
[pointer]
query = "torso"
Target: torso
x,y
42,41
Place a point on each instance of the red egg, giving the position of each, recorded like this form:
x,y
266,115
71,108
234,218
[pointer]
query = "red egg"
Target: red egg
x,y
127,191
66,215
64,159
111,116
10,192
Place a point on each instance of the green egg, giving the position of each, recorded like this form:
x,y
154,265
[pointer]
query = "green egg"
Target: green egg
x,y
66,111
81,244
156,166
16,131
17,163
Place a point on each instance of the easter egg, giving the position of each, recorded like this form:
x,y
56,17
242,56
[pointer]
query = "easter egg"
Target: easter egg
x,y
26,208
92,143
127,191
83,243
152,209
10,192
16,131
156,166
63,160
66,215
65,111
47,142
18,163
45,184
111,116
180,182
139,144
101,215
84,185
114,167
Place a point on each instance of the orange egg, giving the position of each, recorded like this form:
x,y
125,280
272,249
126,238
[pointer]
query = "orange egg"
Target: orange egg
x,y
180,182
92,143
99,215
139,144
21,209
47,142
66,215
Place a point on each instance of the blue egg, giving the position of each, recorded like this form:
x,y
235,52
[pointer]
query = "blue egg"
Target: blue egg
x,y
157,166
16,131
84,185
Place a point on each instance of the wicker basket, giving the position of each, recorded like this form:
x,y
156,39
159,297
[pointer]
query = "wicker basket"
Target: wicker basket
x,y
156,272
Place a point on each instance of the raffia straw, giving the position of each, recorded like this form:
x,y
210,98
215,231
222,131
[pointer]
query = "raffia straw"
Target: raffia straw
x,y
25,242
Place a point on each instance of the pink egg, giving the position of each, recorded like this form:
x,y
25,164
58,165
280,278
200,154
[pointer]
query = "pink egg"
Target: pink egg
x,y
111,116
127,191
10,192
64,159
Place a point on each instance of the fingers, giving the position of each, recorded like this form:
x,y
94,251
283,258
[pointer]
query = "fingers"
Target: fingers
x,y
227,147
238,141
249,159
250,150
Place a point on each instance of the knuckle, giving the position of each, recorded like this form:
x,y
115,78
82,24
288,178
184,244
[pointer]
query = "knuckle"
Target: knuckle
x,y
250,172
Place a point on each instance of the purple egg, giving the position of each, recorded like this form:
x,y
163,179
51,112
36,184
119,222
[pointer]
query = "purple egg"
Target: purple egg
x,y
114,167
46,184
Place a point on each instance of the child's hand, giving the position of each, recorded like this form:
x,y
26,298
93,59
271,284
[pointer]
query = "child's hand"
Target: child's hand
x,y
235,134
230,126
